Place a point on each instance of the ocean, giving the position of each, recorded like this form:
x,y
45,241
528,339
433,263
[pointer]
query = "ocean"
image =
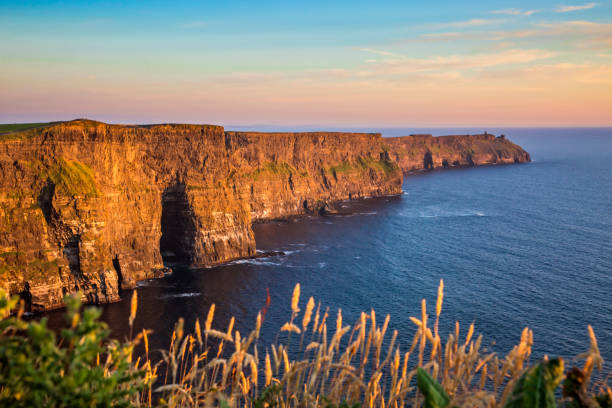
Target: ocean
x,y
527,245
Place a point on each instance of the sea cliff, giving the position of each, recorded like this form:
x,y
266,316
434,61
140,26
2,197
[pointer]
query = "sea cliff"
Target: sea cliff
x,y
91,207
425,152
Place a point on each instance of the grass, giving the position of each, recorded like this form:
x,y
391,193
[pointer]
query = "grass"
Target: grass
x,y
364,163
20,131
16,127
275,168
317,361
320,361
37,270
344,167
380,165
71,177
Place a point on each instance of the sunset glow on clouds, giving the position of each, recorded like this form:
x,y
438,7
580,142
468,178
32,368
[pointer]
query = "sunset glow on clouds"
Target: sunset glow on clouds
x,y
357,64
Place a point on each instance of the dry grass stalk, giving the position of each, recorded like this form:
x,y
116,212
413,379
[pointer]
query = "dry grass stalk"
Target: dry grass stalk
x,y
360,364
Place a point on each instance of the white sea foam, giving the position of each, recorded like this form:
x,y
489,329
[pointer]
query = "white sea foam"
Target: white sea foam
x,y
435,212
256,261
182,295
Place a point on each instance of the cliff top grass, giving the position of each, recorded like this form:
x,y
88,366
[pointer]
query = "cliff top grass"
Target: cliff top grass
x,y
94,124
21,131
24,131
15,127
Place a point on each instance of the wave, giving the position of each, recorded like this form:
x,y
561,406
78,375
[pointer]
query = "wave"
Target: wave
x,y
441,213
255,261
181,295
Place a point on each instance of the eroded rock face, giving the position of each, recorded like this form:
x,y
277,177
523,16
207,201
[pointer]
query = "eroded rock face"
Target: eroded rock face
x,y
425,152
91,207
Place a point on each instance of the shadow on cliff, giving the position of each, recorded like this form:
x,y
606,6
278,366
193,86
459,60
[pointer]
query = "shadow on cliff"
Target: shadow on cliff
x,y
177,226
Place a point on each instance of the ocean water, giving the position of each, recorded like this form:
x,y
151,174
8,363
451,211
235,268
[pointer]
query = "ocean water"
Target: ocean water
x,y
517,245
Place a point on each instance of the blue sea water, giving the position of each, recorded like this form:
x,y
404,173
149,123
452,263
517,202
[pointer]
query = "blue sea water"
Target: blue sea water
x,y
517,245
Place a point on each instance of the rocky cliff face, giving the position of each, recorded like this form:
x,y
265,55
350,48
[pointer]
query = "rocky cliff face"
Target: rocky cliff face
x,y
91,207
425,152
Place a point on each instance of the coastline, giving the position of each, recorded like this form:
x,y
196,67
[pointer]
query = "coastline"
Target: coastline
x,y
92,207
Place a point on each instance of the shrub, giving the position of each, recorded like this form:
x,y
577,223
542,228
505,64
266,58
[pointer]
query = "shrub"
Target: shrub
x,y
78,368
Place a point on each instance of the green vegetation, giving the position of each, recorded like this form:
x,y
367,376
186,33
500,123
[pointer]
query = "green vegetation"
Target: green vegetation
x,y
362,164
435,395
36,270
276,168
379,165
39,270
415,152
79,368
16,127
344,167
347,367
71,177
21,131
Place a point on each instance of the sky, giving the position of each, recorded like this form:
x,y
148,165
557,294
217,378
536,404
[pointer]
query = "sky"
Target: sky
x,y
325,63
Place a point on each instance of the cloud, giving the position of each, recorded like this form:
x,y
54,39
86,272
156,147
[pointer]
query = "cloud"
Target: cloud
x,y
475,22
455,63
584,73
515,12
452,34
582,34
441,37
566,9
378,52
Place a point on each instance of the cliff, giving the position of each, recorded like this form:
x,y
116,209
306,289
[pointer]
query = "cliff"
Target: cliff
x,y
91,207
425,152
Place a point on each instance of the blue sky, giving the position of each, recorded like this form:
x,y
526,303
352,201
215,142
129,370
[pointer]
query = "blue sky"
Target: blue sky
x,y
314,63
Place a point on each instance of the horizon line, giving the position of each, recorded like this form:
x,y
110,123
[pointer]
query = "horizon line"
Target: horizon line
x,y
321,126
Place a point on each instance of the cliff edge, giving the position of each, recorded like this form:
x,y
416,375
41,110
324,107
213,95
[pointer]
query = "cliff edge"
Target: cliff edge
x,y
426,152
91,207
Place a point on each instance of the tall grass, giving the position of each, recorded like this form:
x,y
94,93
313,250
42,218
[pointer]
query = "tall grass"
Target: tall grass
x,y
317,361
320,361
